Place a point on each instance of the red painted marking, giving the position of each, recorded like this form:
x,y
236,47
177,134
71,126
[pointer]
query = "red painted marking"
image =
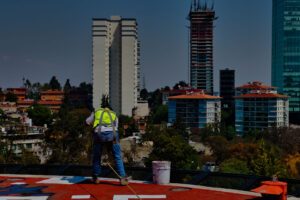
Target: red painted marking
x,y
107,189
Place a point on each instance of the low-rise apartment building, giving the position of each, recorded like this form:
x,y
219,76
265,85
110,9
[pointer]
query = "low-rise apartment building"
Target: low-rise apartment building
x,y
180,91
31,140
8,107
195,109
19,92
260,108
52,95
54,105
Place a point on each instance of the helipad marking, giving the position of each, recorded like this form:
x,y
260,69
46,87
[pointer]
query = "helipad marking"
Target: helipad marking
x,y
24,198
64,180
126,197
81,196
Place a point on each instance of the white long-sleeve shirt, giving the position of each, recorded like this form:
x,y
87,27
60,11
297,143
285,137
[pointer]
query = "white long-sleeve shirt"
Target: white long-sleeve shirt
x,y
90,121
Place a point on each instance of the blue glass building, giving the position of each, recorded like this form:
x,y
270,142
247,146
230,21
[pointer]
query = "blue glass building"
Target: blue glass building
x,y
286,50
196,110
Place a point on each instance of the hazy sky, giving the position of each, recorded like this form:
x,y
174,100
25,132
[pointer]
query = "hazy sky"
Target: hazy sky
x,y
39,39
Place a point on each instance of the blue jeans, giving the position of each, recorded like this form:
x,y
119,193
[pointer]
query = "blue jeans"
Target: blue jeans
x,y
97,152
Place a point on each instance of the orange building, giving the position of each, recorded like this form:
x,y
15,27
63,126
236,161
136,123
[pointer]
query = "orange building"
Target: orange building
x,y
52,95
23,105
19,92
53,105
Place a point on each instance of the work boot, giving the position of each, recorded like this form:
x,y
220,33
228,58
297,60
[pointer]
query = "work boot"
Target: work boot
x,y
123,181
96,180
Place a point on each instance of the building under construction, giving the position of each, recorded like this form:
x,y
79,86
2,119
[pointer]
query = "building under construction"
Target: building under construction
x,y
201,46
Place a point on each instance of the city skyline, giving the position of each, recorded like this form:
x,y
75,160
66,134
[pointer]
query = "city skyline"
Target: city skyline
x,y
40,40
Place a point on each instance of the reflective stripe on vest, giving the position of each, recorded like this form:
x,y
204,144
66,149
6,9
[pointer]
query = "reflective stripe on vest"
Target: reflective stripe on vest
x,y
106,119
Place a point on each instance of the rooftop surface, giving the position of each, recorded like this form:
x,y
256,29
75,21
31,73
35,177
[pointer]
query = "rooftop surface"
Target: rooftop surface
x,y
263,95
63,181
195,96
255,85
38,187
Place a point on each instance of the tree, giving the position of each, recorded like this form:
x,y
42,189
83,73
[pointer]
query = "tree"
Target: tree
x,y
253,135
67,86
127,125
144,94
159,115
243,151
268,161
155,99
66,105
180,126
211,129
1,95
28,157
105,102
286,138
27,84
70,138
35,91
180,84
166,88
54,84
293,164
169,145
88,87
45,87
235,166
218,145
40,115
11,97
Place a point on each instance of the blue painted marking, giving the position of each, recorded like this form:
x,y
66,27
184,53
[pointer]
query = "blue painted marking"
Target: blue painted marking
x,y
22,190
74,179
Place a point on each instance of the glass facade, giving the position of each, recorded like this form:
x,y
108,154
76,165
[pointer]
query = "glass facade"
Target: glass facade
x,y
259,113
195,112
286,50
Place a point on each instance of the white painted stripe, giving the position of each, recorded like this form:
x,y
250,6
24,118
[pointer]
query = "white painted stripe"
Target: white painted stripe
x,y
18,183
24,198
81,196
126,197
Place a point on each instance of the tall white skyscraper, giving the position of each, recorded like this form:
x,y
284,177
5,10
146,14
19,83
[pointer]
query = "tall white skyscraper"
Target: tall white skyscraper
x,y
116,70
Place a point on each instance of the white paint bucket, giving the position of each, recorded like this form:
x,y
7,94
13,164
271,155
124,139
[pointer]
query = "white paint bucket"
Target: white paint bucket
x,y
161,172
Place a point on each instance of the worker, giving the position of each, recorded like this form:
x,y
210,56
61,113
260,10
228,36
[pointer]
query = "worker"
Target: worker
x,y
105,124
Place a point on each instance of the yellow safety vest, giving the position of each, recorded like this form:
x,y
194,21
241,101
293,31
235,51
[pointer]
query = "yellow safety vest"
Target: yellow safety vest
x,y
106,121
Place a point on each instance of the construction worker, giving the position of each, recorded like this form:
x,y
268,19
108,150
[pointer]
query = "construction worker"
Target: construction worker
x,y
105,124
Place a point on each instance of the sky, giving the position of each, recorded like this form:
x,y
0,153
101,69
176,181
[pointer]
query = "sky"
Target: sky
x,y
41,39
